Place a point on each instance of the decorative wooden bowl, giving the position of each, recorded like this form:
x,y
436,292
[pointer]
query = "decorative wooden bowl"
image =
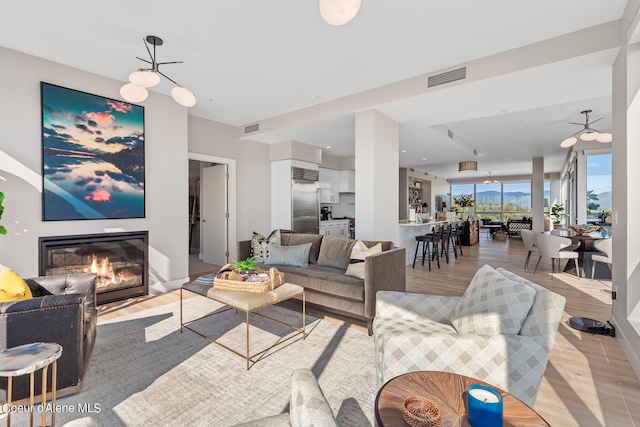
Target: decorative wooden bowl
x,y
584,230
420,412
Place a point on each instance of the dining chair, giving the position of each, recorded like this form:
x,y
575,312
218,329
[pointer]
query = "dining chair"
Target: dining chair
x,y
529,240
606,247
552,247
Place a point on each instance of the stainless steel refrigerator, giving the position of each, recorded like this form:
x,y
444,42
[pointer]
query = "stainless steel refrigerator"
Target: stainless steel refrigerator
x,y
305,203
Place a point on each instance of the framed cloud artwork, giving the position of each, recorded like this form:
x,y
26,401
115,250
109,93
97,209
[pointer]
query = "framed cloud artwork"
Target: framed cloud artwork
x,y
92,156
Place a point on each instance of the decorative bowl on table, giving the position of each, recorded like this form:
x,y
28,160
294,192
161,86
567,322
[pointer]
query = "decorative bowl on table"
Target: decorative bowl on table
x,y
420,412
584,229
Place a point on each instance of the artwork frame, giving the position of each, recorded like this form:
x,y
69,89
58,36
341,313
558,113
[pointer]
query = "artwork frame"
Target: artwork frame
x,y
93,156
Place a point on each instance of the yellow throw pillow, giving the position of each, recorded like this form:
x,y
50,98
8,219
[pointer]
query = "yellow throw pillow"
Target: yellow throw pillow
x,y
358,254
12,287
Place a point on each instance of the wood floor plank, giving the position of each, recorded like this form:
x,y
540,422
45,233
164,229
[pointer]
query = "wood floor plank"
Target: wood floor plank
x,y
588,381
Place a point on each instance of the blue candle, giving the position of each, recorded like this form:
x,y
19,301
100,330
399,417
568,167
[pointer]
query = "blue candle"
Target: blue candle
x,y
484,406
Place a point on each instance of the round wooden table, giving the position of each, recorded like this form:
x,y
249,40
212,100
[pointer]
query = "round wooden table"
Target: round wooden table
x,y
448,391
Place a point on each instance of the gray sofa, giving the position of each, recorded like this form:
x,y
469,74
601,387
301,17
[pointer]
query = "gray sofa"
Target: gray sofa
x,y
325,281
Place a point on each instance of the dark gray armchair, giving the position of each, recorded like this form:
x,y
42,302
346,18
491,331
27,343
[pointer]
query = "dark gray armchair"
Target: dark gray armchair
x,y
62,310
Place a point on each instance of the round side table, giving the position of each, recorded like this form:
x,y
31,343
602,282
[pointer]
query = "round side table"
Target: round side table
x,y
26,359
448,392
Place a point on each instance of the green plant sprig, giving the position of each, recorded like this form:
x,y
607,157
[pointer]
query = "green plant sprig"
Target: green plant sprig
x,y
245,265
3,230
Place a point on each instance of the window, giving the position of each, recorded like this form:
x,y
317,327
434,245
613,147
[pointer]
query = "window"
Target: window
x,y
598,186
489,201
517,199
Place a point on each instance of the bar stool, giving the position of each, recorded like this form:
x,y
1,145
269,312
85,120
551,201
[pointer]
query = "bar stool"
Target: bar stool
x,y
430,243
446,239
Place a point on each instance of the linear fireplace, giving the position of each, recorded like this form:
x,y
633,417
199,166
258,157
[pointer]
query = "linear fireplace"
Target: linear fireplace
x,y
120,261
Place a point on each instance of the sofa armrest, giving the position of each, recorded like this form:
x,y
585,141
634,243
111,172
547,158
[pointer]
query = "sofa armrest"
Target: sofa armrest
x,y
243,249
513,363
385,271
415,307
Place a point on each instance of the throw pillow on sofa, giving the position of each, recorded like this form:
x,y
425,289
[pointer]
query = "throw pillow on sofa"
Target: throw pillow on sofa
x,y
358,254
13,287
335,252
260,245
492,305
296,256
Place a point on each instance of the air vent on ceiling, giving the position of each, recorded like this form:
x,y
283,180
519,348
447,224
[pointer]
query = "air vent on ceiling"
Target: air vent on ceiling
x,y
450,134
447,77
475,152
252,128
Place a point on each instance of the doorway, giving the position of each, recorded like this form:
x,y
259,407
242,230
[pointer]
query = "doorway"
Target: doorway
x,y
212,207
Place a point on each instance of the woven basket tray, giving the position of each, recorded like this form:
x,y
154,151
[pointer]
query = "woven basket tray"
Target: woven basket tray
x,y
421,412
276,278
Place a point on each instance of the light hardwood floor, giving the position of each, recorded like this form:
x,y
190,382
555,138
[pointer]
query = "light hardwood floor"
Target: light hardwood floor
x,y
588,381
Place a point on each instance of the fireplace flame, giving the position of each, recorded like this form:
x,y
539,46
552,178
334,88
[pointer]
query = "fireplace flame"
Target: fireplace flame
x,y
103,269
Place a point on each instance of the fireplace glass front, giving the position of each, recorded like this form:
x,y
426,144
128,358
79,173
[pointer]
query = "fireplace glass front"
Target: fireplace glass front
x,y
120,261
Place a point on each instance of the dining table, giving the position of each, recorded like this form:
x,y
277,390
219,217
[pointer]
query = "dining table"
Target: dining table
x,y
585,250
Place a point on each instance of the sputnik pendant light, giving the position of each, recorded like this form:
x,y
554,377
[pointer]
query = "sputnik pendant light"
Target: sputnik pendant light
x,y
148,77
588,133
338,12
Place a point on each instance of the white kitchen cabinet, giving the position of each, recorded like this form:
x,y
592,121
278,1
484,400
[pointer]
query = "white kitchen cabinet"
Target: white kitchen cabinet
x,y
336,228
347,181
329,185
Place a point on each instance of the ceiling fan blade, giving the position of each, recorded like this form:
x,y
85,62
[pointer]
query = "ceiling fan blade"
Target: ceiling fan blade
x,y
590,123
574,123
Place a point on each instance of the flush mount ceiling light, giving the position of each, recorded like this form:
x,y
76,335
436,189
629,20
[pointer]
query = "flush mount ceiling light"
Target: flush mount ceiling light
x,y
588,133
490,180
338,12
468,166
148,77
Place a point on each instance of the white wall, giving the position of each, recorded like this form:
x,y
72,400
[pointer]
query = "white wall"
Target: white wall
x,y
253,173
166,165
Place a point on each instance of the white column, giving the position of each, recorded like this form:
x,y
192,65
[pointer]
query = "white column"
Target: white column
x,y
625,202
537,194
377,166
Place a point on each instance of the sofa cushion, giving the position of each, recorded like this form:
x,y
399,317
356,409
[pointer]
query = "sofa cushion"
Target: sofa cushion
x,y
297,255
358,254
492,305
13,287
260,245
327,280
293,239
335,252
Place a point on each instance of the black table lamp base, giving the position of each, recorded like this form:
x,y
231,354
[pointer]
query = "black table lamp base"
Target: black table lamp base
x,y
592,326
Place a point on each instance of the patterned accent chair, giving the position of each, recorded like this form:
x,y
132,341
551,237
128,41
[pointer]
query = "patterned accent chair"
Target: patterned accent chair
x,y
501,331
308,406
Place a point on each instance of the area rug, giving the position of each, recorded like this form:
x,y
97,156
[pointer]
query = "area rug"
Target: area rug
x,y
145,372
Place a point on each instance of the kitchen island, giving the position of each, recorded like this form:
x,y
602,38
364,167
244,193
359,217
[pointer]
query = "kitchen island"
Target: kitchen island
x,y
408,233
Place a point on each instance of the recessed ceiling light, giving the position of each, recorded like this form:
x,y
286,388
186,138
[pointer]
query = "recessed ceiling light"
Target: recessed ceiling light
x,y
404,151
328,146
313,97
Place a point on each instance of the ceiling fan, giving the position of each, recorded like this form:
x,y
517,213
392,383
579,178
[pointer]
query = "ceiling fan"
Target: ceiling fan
x,y
588,133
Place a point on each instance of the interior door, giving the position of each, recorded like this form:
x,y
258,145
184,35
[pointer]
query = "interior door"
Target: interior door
x,y
215,214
